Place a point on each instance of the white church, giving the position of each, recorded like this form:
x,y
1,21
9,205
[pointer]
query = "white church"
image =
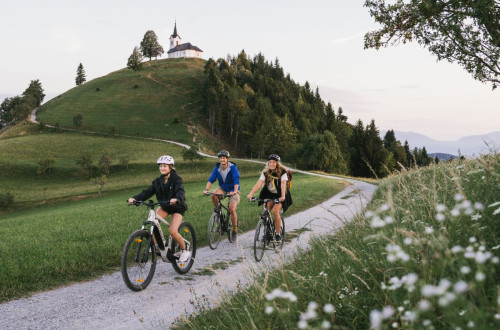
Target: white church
x,y
178,50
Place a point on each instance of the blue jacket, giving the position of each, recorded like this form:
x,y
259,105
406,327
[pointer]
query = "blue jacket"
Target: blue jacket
x,y
232,178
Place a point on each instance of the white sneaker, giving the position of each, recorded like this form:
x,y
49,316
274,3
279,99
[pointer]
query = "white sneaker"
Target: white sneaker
x,y
184,256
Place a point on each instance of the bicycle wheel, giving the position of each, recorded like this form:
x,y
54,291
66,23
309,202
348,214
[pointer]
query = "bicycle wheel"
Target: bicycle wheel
x,y
187,233
214,231
138,261
260,240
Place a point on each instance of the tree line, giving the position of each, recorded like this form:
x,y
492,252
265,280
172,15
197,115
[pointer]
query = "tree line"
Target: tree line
x,y
258,110
18,108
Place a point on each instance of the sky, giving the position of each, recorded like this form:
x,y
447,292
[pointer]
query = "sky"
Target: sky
x,y
320,41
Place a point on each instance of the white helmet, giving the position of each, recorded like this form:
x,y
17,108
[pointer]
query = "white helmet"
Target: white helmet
x,y
165,159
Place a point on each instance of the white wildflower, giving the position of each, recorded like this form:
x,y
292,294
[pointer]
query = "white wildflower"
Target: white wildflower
x,y
384,207
462,312
482,257
460,287
368,214
377,222
476,217
440,207
478,206
470,324
269,310
495,260
455,212
278,293
497,316
426,323
395,325
329,308
458,197
429,230
407,241
410,316
424,305
375,319
326,324
440,217
388,220
473,240
446,299
387,312
302,324
465,269
456,249
480,276
401,309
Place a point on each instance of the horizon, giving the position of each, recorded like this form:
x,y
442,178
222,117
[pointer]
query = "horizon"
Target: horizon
x,y
403,87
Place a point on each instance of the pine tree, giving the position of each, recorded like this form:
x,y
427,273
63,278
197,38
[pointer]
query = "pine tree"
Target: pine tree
x,y
135,60
80,75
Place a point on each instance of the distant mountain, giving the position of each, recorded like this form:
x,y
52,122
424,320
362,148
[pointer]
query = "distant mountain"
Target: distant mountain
x,y
441,156
472,145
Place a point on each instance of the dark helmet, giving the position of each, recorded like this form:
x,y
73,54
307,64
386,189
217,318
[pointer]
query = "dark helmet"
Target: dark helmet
x,y
223,153
274,157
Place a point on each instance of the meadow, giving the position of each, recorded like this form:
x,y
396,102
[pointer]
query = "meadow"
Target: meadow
x,y
424,255
60,230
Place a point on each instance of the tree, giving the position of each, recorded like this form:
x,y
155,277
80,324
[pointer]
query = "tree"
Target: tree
x,y
15,109
80,75
135,60
36,91
466,32
191,154
150,46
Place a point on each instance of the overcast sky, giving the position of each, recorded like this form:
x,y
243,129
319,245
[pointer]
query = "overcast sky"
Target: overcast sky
x,y
320,41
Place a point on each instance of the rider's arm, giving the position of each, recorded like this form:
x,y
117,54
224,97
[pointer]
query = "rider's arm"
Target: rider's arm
x,y
255,188
147,193
283,189
207,189
236,186
179,193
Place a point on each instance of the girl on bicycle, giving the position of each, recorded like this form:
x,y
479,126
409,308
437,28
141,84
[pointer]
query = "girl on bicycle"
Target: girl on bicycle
x,y
170,192
274,176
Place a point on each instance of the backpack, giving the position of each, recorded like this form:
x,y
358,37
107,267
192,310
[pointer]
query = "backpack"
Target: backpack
x,y
289,182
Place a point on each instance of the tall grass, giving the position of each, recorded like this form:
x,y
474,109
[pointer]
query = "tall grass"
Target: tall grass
x,y
424,256
50,246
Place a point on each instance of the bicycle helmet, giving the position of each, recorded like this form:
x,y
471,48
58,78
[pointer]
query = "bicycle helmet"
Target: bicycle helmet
x,y
223,153
274,157
165,159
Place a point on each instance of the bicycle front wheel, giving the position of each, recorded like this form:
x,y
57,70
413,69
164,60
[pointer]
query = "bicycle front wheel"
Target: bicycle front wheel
x,y
230,236
260,240
189,237
214,231
138,262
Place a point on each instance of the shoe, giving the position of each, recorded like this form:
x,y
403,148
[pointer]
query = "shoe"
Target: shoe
x,y
184,256
235,235
278,238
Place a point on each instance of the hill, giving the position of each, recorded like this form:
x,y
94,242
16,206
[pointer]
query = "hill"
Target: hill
x,y
163,100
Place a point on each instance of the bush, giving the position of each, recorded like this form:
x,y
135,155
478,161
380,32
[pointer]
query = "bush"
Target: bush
x,y
85,166
105,164
6,199
176,120
78,120
45,165
191,154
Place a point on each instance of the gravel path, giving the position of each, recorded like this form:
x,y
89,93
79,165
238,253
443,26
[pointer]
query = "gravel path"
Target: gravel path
x,y
106,303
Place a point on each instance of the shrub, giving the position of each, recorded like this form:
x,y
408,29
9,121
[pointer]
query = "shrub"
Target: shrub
x,y
45,165
191,154
78,120
176,120
6,199
105,164
85,166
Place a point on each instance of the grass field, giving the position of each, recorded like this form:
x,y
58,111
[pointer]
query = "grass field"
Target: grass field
x,y
424,256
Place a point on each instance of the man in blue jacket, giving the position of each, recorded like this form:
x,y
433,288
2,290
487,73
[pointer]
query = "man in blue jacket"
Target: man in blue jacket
x,y
229,182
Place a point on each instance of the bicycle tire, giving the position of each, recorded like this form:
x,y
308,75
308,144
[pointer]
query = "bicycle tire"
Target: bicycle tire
x,y
137,272
214,231
260,240
186,230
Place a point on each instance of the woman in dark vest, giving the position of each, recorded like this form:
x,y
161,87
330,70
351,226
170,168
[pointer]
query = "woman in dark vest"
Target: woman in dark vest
x,y
169,191
274,177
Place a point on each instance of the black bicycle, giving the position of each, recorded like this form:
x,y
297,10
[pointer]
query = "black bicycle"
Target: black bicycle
x,y
265,233
219,223
138,263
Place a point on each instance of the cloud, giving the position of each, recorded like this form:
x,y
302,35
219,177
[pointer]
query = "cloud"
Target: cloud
x,y
343,40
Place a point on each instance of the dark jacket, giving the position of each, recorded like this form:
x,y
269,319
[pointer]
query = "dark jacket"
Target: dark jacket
x,y
165,192
265,193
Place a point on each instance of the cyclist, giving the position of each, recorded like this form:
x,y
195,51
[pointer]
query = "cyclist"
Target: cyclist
x,y
274,178
229,183
170,192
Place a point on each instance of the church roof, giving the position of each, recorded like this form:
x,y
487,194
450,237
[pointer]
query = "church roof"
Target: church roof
x,y
175,32
185,46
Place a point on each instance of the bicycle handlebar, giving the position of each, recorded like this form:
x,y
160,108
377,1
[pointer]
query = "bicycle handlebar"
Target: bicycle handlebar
x,y
149,203
218,195
266,200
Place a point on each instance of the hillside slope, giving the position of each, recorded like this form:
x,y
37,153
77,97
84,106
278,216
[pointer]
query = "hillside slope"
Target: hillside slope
x,y
164,100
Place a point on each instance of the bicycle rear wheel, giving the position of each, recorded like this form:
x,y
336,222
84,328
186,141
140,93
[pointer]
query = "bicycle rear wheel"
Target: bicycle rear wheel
x,y
214,231
189,237
138,262
260,240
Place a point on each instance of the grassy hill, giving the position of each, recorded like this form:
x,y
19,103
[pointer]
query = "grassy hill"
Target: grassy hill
x,y
164,100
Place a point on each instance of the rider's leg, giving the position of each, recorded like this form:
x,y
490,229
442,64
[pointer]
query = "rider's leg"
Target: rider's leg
x,y
277,217
233,203
174,229
215,198
162,213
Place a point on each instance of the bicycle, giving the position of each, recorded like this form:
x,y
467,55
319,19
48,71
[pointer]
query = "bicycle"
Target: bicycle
x,y
138,260
265,233
219,223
